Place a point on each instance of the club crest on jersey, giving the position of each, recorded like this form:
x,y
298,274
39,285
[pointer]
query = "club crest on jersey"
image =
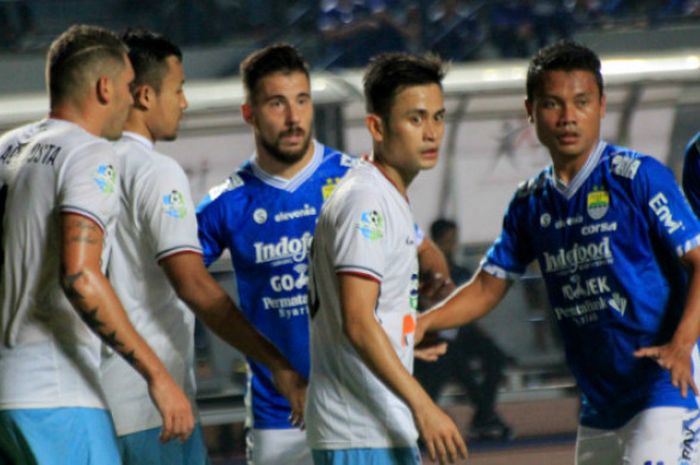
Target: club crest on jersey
x,y
328,189
260,215
174,204
545,220
371,225
597,203
106,177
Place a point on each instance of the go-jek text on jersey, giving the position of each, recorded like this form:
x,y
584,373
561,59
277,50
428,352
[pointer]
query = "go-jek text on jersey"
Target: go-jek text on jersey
x,y
267,224
608,246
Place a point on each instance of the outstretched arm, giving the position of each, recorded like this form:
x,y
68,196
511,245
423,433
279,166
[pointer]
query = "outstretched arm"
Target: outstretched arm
x,y
358,298
675,356
93,297
196,287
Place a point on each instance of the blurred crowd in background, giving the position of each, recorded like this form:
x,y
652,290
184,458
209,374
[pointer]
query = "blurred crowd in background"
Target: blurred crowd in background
x,y
345,33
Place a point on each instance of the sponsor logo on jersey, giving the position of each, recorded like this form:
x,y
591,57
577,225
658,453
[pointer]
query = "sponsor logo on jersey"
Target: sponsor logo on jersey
x,y
348,161
570,221
659,205
285,249
260,215
371,225
625,166
585,288
597,203
290,282
598,228
231,183
413,297
328,189
579,257
545,219
308,210
618,303
582,312
106,177
407,329
174,204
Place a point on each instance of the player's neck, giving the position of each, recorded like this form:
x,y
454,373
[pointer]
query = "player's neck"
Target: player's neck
x,y
399,179
138,126
566,168
280,169
76,115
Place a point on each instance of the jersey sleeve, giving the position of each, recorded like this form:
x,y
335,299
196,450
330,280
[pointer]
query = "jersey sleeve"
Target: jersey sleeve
x,y
361,238
166,203
691,173
666,209
89,184
510,253
211,221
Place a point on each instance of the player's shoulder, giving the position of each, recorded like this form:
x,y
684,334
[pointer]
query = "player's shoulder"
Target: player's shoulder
x,y
692,150
533,185
233,190
626,164
334,158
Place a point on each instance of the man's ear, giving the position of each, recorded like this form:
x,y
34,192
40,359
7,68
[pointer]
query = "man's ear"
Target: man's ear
x,y
376,127
104,89
144,97
247,112
528,109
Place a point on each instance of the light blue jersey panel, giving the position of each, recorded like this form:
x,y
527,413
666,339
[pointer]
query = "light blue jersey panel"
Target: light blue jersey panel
x,y
267,224
608,245
58,436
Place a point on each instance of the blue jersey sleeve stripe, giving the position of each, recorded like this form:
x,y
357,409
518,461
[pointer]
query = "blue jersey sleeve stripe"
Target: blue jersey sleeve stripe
x,y
499,272
358,269
176,250
85,213
688,245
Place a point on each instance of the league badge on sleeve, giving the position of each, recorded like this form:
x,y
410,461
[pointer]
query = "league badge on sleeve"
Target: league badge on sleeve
x,y
371,225
174,204
106,177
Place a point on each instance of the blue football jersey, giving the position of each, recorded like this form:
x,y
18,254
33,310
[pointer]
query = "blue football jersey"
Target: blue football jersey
x,y
267,224
691,173
608,246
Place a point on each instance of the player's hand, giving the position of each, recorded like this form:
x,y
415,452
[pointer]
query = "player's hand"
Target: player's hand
x,y
292,386
433,288
676,359
430,351
174,408
440,435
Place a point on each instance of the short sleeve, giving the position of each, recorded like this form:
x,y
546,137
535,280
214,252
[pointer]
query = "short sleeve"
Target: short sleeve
x,y
511,252
89,183
210,224
361,236
170,215
665,207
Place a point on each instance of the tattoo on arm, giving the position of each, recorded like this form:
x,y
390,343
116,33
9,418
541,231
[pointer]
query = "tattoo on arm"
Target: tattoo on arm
x,y
83,231
90,317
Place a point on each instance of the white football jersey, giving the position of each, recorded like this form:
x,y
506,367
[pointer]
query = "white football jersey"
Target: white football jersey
x,y
365,228
156,220
48,356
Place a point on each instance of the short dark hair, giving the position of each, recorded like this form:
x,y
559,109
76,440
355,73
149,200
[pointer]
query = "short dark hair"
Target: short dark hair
x,y
148,52
389,73
275,58
440,226
564,55
79,55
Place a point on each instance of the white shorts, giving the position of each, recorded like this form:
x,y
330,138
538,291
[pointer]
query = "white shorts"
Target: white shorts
x,y
276,446
660,435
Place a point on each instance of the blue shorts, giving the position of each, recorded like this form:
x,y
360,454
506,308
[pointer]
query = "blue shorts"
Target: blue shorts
x,y
367,456
144,448
58,436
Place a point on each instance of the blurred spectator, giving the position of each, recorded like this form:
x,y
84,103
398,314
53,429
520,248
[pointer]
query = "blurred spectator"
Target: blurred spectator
x,y
355,30
512,28
455,32
473,359
551,18
16,21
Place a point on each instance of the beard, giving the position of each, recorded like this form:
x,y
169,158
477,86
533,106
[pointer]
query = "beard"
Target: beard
x,y
288,157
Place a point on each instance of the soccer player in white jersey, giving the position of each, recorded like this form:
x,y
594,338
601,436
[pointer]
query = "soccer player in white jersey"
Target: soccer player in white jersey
x,y
157,269
363,405
611,232
59,201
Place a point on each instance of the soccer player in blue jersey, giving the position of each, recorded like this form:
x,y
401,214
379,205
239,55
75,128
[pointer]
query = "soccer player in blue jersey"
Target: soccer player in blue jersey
x,y
611,232
265,215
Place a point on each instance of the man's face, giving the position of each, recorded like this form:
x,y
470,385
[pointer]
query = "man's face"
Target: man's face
x,y
281,114
170,103
412,136
121,103
567,111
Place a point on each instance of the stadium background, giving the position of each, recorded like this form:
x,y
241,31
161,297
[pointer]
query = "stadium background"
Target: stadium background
x,y
651,52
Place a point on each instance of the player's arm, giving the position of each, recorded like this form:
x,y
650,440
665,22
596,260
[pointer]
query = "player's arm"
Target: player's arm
x,y
676,355
469,302
358,299
435,282
196,287
93,297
